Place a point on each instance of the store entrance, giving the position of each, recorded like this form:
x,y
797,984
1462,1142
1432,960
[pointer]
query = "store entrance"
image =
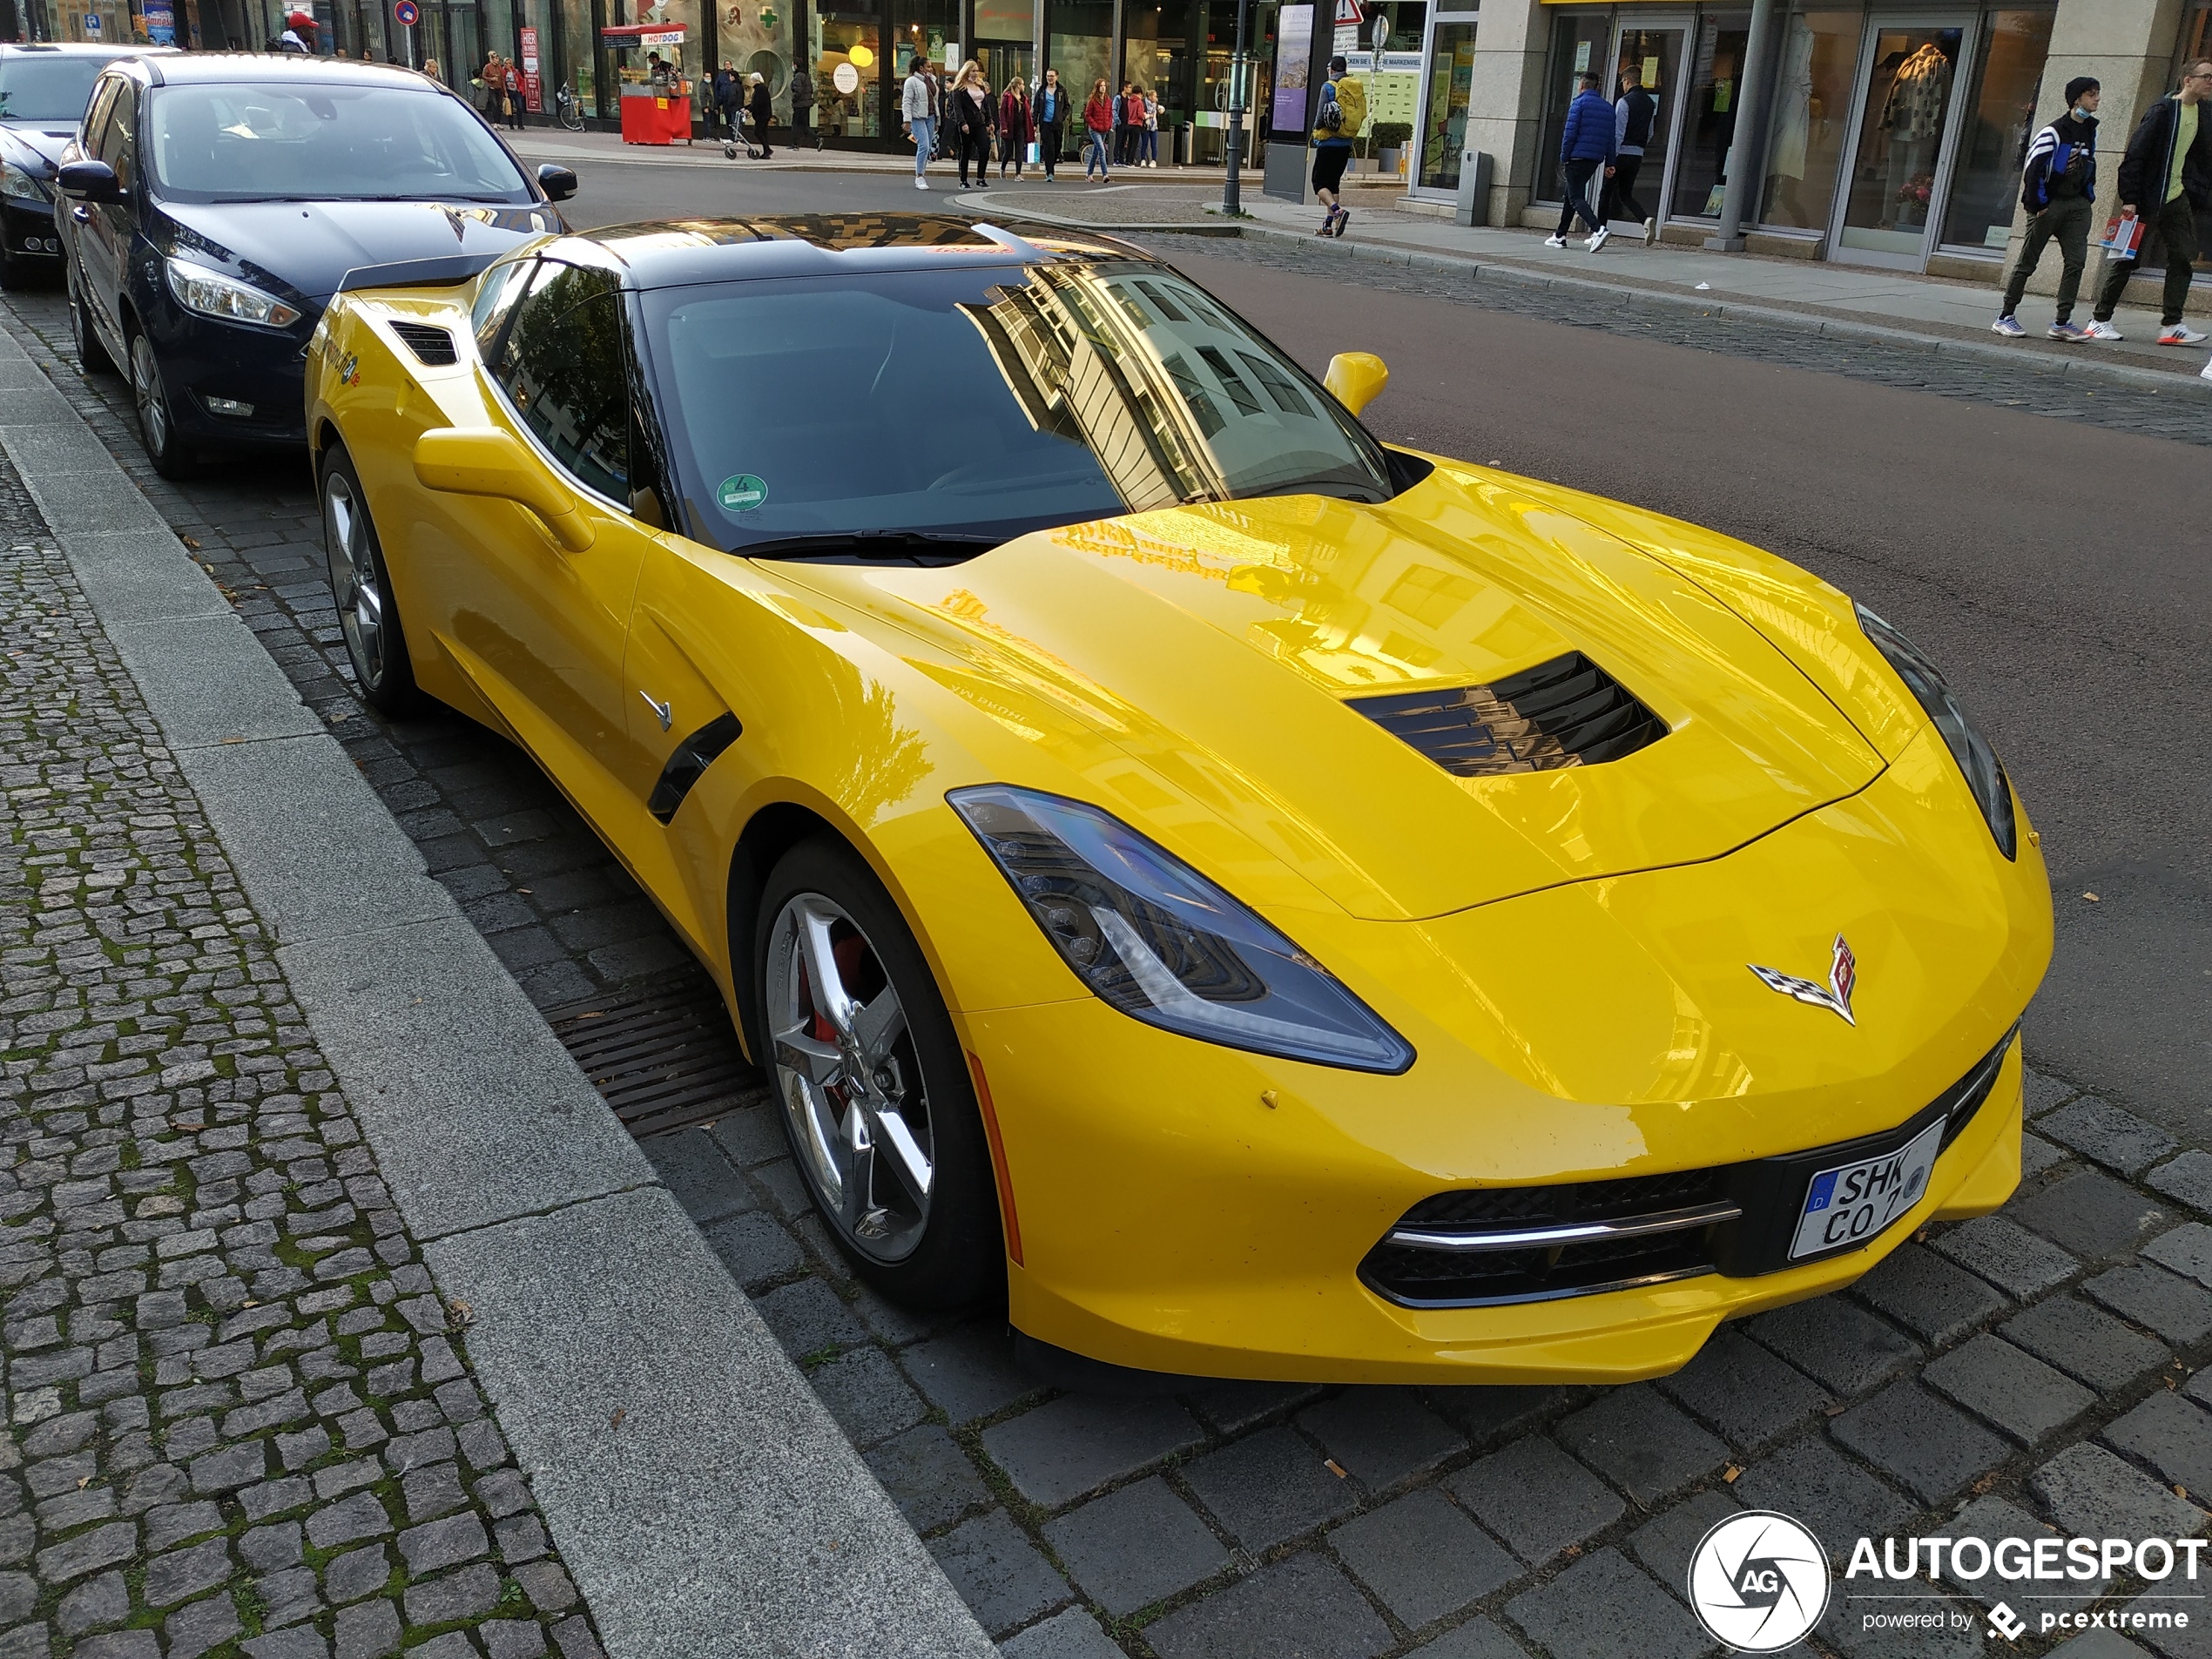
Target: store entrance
x,y
1908,109
1440,127
1652,47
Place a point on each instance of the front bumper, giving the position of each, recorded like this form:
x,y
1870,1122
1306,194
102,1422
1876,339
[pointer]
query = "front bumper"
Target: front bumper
x,y
1191,1209
203,359
28,229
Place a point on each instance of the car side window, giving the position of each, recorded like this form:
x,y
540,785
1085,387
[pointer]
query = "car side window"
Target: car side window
x,y
495,298
117,141
88,133
564,367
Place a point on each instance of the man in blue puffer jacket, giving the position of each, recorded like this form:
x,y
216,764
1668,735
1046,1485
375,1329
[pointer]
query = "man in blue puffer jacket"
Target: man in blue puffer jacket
x,y
1587,145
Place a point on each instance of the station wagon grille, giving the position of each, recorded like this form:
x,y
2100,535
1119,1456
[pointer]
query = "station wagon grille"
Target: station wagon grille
x,y
1566,713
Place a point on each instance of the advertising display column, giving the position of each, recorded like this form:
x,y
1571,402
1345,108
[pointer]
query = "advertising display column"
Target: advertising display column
x,y
1301,65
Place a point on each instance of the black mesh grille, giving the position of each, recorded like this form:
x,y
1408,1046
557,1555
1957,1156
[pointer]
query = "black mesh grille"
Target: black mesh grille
x,y
1566,713
430,343
1572,1201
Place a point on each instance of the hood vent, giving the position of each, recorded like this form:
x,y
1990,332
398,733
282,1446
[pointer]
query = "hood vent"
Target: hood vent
x,y
1566,713
430,343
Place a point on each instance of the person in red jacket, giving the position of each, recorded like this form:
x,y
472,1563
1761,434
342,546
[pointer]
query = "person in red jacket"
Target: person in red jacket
x,y
1098,126
1015,126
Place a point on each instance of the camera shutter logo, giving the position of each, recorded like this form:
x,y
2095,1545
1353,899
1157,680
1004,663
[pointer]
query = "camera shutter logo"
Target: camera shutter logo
x,y
1758,1581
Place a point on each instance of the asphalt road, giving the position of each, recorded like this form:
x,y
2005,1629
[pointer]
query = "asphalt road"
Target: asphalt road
x,y
2057,571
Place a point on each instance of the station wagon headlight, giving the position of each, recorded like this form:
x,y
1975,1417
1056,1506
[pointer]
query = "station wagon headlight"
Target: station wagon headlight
x,y
14,181
1985,774
1163,944
212,294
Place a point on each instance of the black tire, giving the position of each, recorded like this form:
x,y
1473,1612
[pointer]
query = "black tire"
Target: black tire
x,y
956,1256
92,356
368,613
172,456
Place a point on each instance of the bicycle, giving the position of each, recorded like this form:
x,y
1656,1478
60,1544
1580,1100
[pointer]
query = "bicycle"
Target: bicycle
x,y
570,111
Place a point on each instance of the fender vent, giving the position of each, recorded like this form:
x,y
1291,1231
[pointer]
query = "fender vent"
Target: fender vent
x,y
1566,713
430,343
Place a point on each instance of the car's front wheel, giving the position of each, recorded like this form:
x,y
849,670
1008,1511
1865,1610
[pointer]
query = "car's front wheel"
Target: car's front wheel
x,y
872,1084
92,356
171,456
367,616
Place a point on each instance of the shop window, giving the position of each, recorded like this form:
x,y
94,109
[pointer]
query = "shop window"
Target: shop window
x,y
1812,118
1082,50
1579,42
1908,109
2197,36
1451,85
929,27
2000,120
1714,92
848,73
754,38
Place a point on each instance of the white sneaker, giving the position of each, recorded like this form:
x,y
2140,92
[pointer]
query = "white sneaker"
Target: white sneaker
x,y
1650,231
2205,373
1599,239
2182,334
2103,331
1554,241
920,183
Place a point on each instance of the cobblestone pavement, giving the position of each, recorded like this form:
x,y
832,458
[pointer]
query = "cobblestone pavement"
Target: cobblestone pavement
x,y
239,1421
2035,1367
2182,413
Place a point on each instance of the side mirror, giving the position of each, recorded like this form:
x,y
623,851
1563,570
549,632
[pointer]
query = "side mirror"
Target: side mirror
x,y
89,181
483,461
558,182
1356,379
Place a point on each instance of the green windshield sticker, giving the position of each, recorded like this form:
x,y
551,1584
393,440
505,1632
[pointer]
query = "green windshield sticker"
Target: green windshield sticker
x,y
741,494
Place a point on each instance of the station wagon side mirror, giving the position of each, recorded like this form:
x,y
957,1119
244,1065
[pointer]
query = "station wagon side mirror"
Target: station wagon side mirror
x,y
558,182
483,461
89,181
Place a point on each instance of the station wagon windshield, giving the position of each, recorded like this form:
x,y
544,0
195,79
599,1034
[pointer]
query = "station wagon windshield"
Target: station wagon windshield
x,y
331,142
932,410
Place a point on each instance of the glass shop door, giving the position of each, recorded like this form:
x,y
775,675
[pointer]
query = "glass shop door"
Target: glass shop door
x,y
1910,96
1653,47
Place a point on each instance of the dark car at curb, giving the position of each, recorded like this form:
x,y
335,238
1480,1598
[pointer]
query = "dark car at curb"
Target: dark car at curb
x,y
44,88
215,202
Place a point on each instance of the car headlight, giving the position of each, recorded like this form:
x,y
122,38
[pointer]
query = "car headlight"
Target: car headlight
x,y
15,181
1984,775
214,294
1163,944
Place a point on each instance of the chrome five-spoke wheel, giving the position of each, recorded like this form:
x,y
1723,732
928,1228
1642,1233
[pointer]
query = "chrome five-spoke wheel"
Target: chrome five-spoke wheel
x,y
354,578
849,1078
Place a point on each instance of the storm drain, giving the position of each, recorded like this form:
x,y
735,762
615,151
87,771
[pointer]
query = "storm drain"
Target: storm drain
x,y
664,1057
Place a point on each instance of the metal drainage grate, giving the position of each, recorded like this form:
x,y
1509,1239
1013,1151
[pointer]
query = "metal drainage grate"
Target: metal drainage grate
x,y
664,1057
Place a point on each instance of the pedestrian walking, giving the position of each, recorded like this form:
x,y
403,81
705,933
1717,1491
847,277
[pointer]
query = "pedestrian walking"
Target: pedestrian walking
x,y
490,86
1050,109
2059,188
1016,126
763,114
513,96
802,105
430,68
1129,121
1338,117
1635,112
1148,153
1587,145
971,118
940,88
2166,179
916,107
1098,130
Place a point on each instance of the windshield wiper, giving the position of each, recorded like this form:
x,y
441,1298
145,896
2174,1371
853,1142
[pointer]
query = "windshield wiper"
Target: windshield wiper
x,y
868,546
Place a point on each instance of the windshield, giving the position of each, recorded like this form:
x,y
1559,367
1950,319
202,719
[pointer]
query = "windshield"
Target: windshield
x,y
982,404
325,143
48,86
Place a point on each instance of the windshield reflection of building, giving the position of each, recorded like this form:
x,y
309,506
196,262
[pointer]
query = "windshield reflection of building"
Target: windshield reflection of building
x,y
1170,397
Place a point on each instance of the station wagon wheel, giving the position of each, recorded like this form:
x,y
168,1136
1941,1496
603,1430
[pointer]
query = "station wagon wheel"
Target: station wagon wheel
x,y
871,1084
157,425
368,618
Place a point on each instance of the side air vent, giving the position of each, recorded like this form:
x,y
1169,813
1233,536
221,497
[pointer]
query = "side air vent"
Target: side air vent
x,y
430,343
1566,713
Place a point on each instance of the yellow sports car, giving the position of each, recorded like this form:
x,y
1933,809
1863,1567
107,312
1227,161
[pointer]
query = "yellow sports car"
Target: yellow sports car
x,y
1269,903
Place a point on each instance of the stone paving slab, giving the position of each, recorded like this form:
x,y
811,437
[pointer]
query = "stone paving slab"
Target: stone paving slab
x,y
1831,1412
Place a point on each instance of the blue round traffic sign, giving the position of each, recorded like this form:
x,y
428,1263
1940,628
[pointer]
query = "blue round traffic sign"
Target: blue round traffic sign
x,y
408,12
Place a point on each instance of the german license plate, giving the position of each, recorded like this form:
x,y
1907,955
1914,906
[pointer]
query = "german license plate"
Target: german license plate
x,y
1853,1203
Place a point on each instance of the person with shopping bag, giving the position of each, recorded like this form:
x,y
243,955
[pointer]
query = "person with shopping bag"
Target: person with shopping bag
x,y
1016,126
1050,111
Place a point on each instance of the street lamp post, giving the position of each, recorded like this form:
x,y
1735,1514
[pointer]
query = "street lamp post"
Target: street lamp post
x,y
1232,187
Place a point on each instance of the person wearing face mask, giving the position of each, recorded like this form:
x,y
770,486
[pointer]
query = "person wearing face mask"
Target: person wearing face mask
x,y
2058,189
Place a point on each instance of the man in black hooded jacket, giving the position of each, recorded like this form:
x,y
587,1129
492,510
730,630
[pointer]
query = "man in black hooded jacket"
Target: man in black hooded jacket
x,y
2166,177
2058,189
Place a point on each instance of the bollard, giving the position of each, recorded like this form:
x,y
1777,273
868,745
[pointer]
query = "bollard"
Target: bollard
x,y
1474,207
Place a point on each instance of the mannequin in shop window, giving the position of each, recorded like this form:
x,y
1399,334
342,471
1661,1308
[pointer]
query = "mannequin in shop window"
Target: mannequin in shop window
x,y
1798,108
1912,117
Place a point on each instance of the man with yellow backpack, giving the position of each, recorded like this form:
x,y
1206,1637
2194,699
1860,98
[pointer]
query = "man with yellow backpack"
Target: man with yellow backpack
x,y
1337,120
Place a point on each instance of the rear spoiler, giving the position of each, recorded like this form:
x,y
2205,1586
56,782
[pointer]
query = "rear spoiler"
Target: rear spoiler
x,y
445,271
